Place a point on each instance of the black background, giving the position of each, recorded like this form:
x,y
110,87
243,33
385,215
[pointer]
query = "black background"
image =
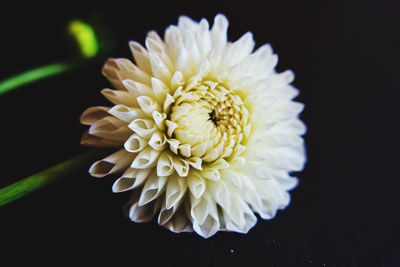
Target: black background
x,y
345,211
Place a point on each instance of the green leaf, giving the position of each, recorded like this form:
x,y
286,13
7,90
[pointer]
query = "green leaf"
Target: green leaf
x,y
45,177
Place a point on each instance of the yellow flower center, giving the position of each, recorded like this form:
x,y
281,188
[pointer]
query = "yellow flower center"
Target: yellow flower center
x,y
209,121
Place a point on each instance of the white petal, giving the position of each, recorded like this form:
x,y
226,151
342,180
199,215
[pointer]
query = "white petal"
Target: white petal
x,y
110,128
177,80
128,70
237,51
195,162
181,166
125,113
196,185
159,119
168,102
147,158
152,189
160,89
93,114
91,140
158,141
119,97
141,56
159,69
233,178
210,225
203,37
143,213
175,191
165,164
137,89
179,222
219,30
199,209
220,193
171,127
116,162
132,178
143,127
211,174
135,143
148,104
112,72
185,150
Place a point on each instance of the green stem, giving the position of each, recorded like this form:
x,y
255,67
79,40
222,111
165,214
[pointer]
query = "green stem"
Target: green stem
x,y
33,75
36,181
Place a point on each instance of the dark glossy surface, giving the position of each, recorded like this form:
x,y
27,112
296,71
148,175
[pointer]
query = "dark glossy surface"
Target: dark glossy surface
x,y
344,211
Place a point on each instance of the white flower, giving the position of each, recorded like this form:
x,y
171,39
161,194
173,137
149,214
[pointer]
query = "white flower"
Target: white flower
x,y
208,129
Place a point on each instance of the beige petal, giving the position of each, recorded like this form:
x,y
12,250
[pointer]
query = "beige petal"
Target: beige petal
x,y
177,80
199,208
213,154
112,73
159,69
119,97
116,162
174,196
160,90
220,193
132,178
135,143
128,70
159,119
211,174
176,189
143,127
195,162
143,213
165,164
171,127
126,113
211,223
179,222
154,42
158,141
148,104
246,219
147,158
181,166
219,30
93,114
173,145
233,178
198,150
141,56
166,214
168,103
110,128
185,150
91,140
137,89
152,189
197,184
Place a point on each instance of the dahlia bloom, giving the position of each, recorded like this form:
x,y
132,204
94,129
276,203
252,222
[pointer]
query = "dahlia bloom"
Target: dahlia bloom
x,y
208,130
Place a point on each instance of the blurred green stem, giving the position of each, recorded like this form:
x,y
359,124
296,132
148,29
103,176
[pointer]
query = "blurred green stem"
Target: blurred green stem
x,y
45,177
33,75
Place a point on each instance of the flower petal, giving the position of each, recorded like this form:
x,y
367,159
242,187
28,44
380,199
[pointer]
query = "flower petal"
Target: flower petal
x,y
93,114
147,158
114,163
152,189
132,178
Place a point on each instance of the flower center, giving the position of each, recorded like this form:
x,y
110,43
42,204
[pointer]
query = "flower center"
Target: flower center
x,y
208,120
